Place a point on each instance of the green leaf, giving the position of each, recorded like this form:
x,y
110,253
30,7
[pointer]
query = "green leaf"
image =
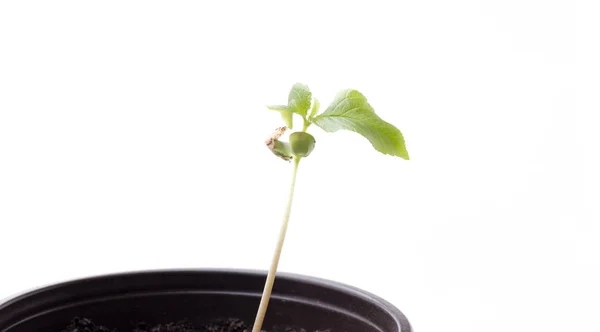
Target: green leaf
x,y
286,114
315,108
299,99
351,111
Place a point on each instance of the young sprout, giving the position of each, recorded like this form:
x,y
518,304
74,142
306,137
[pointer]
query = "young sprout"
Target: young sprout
x,y
348,111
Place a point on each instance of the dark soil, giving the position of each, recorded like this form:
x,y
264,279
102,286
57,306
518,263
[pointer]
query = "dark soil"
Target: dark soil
x,y
85,325
221,325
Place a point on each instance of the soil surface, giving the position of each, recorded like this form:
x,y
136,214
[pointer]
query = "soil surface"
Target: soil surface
x,y
221,325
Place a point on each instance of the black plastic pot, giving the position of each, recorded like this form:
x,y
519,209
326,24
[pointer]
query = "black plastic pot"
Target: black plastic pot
x,y
120,300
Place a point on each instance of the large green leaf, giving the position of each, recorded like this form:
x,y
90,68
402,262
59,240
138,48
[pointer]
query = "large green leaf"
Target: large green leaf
x,y
351,111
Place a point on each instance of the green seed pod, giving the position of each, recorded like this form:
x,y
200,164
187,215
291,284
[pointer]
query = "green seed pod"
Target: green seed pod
x,y
302,143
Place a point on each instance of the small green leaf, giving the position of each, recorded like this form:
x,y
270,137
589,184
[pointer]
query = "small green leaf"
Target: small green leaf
x,y
286,114
299,99
315,108
351,111
278,107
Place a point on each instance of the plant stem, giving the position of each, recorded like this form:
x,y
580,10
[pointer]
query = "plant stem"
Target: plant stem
x,y
306,124
264,301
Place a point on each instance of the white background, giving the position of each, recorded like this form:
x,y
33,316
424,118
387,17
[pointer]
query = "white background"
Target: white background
x,y
131,137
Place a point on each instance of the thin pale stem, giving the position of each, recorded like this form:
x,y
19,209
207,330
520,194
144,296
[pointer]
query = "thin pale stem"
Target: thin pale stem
x,y
264,301
306,124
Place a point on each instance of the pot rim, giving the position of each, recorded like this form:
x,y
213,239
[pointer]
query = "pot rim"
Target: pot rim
x,y
395,313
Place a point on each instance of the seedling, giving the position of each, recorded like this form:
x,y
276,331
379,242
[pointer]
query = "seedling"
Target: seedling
x,y
348,111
